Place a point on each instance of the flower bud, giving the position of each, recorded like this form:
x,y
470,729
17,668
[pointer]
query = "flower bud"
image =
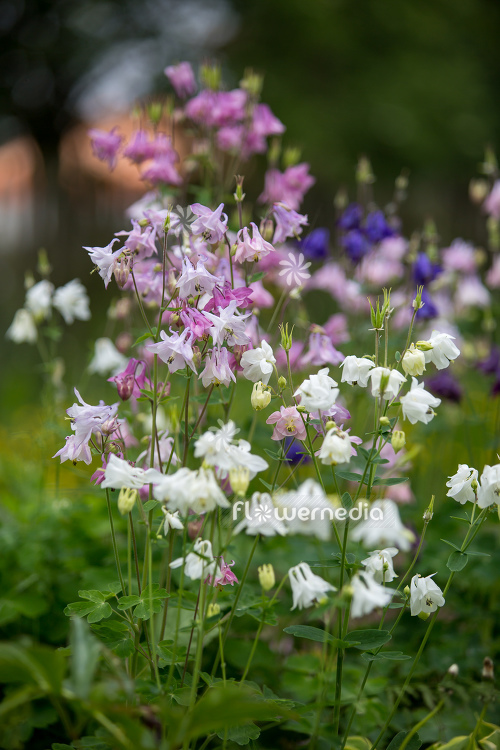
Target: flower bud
x,y
429,512
398,440
286,337
488,672
171,282
122,271
282,382
155,110
413,361
252,83
196,356
478,190
364,173
423,615
406,591
384,421
261,396
301,408
417,302
239,477
194,528
291,156
453,670
123,341
213,610
266,229
125,386
109,426
126,500
267,578
330,425
239,195
234,249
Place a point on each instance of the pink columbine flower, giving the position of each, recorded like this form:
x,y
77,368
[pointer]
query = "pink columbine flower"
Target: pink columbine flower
x,y
228,327
243,295
251,248
85,421
140,240
195,321
175,350
182,78
105,259
139,148
287,187
321,351
195,280
106,145
287,423
492,203
226,575
129,382
217,370
211,224
288,222
264,123
162,171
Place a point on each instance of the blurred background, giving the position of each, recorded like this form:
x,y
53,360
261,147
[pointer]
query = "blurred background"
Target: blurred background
x,y
412,85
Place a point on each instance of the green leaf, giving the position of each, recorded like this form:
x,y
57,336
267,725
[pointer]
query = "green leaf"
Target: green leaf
x,y
144,337
457,561
150,505
391,655
316,634
390,482
350,476
451,544
116,636
347,502
256,277
150,601
414,744
240,734
85,650
36,665
266,485
94,610
366,640
477,554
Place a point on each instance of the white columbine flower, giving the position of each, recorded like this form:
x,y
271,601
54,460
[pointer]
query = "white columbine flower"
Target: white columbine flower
x,y
385,382
356,370
413,362
460,484
72,301
318,392
261,517
418,404
367,594
443,349
379,564
39,298
188,490
258,363
383,528
425,595
119,473
171,520
307,588
22,330
199,563
489,486
220,449
107,360
336,448
310,501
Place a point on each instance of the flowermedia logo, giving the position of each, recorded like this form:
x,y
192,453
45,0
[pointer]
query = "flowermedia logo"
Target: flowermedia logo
x,y
295,270
264,513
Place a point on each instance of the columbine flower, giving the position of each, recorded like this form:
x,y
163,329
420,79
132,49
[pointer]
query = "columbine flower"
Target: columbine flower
x,y
199,563
195,280
228,326
217,370
318,392
174,350
106,145
288,223
260,517
107,359
418,404
367,594
182,78
321,350
140,240
39,299
218,448
171,520
209,223
489,487
337,447
413,361
251,248
383,528
356,370
261,396
307,588
379,564
460,484
443,349
188,490
319,511
120,473
226,575
385,382
105,259
425,595
130,381
85,421
258,363
22,329
287,423
72,301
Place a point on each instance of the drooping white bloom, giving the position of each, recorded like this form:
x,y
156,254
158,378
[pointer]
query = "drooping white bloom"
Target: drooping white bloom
x,y
228,326
258,363
489,486
443,350
171,520
425,595
39,299
379,564
22,330
336,448
383,528
107,360
105,259
175,350
307,588
194,281
356,370
261,517
187,490
219,448
318,392
72,301
367,594
413,362
418,404
385,382
306,510
199,563
217,370
460,484
119,473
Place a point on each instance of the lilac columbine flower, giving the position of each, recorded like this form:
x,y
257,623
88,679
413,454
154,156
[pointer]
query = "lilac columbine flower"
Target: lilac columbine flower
x,y
226,575
195,280
85,421
316,245
106,145
139,148
287,423
287,187
211,224
228,326
161,171
217,370
251,248
492,203
288,222
130,381
264,123
105,259
195,321
140,241
244,296
174,350
321,351
182,78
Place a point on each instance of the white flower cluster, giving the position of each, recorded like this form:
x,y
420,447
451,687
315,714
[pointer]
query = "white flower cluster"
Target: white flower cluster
x,y
465,485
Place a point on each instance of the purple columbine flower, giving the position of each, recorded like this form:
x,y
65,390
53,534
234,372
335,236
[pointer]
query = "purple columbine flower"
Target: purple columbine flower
x,y
175,350
429,310
445,385
162,171
288,222
130,381
140,241
139,148
211,224
356,245
376,227
316,245
106,145
182,78
491,365
424,270
351,217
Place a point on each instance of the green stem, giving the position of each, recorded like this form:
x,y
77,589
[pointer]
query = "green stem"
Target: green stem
x,y
420,724
113,539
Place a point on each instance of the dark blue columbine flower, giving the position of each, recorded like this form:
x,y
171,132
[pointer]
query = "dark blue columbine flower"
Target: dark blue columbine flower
x,y
316,245
444,385
376,227
356,245
491,365
424,270
294,454
351,218
429,310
